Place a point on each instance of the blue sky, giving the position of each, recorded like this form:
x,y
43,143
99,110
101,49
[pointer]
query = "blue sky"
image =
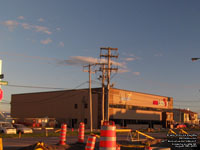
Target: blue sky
x,y
156,40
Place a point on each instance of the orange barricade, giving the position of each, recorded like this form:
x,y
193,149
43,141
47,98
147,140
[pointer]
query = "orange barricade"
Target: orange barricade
x,y
81,132
148,148
90,142
108,136
118,147
63,134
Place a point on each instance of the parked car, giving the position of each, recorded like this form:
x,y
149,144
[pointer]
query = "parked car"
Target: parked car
x,y
7,128
22,128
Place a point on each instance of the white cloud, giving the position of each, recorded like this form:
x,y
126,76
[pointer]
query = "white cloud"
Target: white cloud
x,y
136,73
129,59
45,42
11,24
41,29
41,20
81,60
26,26
123,70
61,44
58,29
36,28
21,17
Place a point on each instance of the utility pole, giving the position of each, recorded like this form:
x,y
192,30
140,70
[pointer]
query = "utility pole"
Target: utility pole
x,y
103,91
102,77
90,93
108,70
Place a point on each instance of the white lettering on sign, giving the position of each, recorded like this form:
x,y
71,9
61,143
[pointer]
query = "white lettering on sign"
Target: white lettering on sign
x,y
160,102
127,97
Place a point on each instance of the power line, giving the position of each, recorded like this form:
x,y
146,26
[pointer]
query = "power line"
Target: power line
x,y
28,86
61,93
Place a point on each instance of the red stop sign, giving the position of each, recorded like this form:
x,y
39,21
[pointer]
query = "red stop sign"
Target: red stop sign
x,y
1,94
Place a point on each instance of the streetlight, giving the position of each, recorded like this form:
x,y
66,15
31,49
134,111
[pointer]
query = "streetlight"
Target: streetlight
x,y
194,59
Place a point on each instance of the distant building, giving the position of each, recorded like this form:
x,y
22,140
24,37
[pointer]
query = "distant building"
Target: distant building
x,y
185,116
4,116
127,108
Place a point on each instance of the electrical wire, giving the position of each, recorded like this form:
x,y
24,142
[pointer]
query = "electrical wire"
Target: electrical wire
x,y
85,90
60,94
40,87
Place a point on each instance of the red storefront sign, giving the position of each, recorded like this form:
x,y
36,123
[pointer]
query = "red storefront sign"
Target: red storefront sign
x,y
160,102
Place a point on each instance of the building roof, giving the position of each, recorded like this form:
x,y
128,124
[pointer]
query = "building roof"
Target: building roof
x,y
85,89
185,111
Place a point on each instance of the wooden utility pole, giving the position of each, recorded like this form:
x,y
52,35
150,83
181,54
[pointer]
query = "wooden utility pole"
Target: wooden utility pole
x,y
102,78
103,91
108,70
90,94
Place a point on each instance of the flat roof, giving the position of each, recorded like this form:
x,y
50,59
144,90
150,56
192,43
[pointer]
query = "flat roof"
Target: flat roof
x,y
85,89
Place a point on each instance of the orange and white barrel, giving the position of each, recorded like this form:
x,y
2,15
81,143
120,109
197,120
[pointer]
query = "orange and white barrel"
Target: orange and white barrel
x,y
63,134
81,132
118,147
90,142
108,136
148,148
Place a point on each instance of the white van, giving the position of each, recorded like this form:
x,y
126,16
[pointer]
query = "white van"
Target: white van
x,y
7,128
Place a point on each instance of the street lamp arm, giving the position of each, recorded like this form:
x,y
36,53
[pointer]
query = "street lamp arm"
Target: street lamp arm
x,y
194,58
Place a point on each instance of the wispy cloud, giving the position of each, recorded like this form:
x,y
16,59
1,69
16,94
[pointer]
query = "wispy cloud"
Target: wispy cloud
x,y
123,70
58,29
21,17
158,55
130,59
45,42
41,20
81,60
129,56
136,73
11,24
61,44
42,29
26,26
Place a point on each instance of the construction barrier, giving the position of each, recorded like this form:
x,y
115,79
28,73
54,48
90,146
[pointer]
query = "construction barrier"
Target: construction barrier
x,y
147,136
20,135
1,144
148,148
63,134
157,148
39,146
132,146
129,131
108,136
171,131
118,147
90,142
123,130
95,135
81,132
182,131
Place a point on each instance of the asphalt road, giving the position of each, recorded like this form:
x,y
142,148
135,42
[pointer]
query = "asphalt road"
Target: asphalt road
x,y
27,141
16,143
